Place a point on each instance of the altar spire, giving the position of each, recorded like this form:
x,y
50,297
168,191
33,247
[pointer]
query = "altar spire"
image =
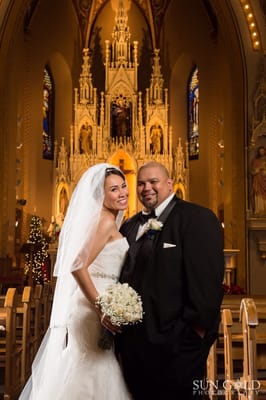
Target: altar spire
x,y
118,126
121,37
85,81
156,83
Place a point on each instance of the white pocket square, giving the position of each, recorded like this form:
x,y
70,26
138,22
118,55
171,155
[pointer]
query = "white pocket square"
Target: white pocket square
x,y
167,245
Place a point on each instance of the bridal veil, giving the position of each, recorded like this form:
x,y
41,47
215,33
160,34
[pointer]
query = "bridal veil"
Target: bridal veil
x,y
75,241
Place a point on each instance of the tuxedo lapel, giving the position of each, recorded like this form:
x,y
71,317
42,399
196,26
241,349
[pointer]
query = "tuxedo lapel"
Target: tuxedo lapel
x,y
138,257
164,215
130,229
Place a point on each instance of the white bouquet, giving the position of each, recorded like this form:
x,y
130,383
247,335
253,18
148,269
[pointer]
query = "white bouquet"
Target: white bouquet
x,y
122,304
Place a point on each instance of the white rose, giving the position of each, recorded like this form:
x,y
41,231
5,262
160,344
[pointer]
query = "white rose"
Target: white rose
x,y
154,224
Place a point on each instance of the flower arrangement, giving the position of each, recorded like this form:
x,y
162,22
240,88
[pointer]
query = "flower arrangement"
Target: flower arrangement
x,y
121,303
233,289
153,226
53,231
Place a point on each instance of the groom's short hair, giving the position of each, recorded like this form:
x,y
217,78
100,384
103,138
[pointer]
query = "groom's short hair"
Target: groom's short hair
x,y
154,164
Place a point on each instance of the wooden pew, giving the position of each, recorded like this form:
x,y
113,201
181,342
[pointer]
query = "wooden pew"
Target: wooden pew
x,y
233,350
217,353
23,336
10,353
253,318
25,318
36,318
45,308
29,332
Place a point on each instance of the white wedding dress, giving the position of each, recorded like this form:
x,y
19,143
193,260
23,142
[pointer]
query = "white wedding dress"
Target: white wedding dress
x,y
86,372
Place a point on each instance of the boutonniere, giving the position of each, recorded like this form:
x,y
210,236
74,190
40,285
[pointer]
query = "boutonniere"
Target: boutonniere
x,y
153,226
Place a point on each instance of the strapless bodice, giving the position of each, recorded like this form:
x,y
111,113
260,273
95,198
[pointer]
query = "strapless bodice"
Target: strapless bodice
x,y
108,263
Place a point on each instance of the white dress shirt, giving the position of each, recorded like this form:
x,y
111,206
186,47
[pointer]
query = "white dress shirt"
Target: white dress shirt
x,y
158,211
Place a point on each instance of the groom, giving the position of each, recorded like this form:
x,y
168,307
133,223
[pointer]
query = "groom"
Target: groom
x,y
178,269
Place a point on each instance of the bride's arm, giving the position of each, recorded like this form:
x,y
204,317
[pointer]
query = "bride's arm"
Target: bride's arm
x,y
103,235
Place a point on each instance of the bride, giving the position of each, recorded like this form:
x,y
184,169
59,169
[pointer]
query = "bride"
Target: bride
x,y
69,364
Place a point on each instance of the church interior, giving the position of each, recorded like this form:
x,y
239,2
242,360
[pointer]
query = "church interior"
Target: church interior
x,y
125,82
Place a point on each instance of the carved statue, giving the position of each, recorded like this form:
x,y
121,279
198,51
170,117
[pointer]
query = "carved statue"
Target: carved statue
x,y
63,201
86,138
156,139
258,171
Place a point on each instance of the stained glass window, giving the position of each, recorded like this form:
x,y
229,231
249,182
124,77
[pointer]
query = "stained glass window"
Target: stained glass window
x,y
193,115
48,115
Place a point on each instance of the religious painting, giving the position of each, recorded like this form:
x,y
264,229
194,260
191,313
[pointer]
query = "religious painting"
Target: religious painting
x,y
121,117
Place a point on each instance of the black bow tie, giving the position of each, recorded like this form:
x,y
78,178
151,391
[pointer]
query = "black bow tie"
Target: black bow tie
x,y
145,217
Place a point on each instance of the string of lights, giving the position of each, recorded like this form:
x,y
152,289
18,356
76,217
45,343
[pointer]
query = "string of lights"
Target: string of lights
x,y
252,24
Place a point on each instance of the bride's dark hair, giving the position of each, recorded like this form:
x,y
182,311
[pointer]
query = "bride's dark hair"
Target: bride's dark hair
x,y
114,171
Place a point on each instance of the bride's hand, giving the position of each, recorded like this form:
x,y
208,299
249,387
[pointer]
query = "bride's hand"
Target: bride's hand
x,y
106,323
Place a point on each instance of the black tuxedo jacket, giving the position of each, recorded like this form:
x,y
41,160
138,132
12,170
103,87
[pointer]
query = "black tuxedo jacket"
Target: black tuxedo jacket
x,y
179,276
